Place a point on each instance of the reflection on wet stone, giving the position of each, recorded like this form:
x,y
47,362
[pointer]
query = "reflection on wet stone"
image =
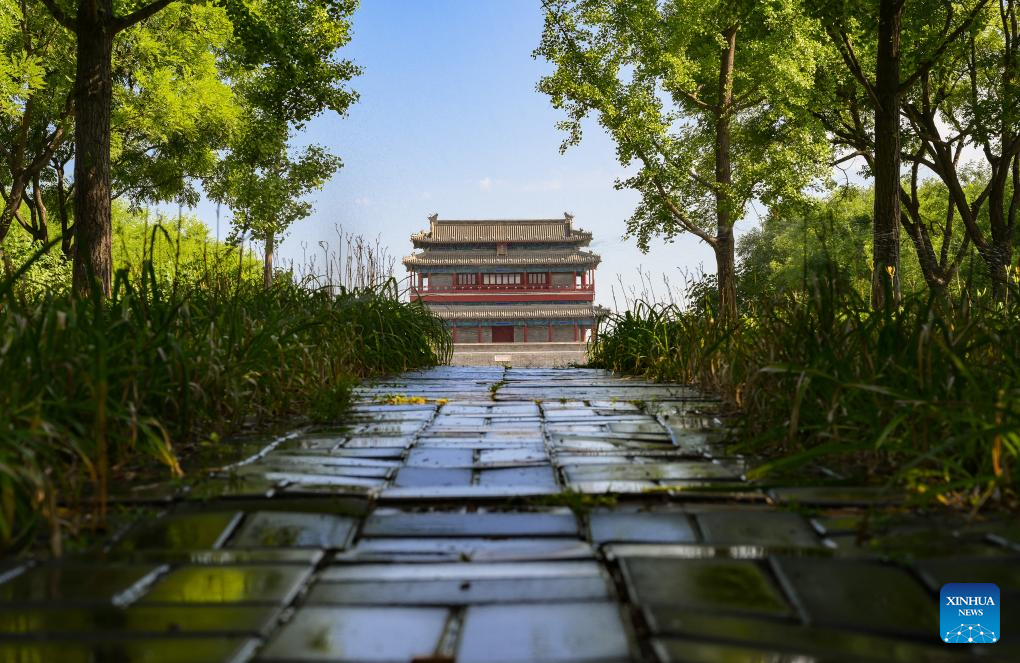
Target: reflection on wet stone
x,y
77,582
579,516
269,529
186,531
228,584
358,634
722,585
641,527
765,528
543,632
865,595
146,650
53,620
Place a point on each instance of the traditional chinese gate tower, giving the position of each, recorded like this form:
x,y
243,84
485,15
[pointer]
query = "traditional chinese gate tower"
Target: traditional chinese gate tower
x,y
507,281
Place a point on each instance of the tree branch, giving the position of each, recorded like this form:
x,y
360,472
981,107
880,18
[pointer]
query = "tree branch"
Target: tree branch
x,y
846,50
677,213
139,14
925,66
61,17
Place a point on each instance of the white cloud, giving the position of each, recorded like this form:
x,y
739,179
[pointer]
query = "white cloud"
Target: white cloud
x,y
485,184
363,201
426,195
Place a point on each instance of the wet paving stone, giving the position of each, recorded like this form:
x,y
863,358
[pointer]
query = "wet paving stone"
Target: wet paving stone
x,y
304,481
920,541
283,467
677,627
226,486
461,591
296,556
1004,571
836,496
391,522
145,650
182,531
463,549
511,457
860,594
711,585
333,459
76,582
418,477
281,529
641,527
528,476
661,472
362,633
543,632
579,516
670,650
419,494
460,571
840,521
594,443
764,528
228,584
440,458
378,443
611,487
65,622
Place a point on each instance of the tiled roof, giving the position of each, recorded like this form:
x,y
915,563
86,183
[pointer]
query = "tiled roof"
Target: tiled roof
x,y
532,312
467,259
501,230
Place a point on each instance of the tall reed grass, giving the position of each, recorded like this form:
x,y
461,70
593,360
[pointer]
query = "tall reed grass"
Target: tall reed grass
x,y
926,394
92,388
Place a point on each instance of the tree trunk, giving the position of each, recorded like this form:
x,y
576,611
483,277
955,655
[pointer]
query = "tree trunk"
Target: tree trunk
x,y
93,260
885,279
726,269
267,268
12,203
65,221
726,274
40,225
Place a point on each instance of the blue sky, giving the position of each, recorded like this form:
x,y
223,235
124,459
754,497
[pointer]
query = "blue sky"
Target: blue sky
x,y
449,122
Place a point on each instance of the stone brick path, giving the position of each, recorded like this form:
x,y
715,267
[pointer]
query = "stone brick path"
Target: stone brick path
x,y
518,515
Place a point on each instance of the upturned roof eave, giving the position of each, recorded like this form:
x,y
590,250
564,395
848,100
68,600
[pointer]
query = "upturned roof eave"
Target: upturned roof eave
x,y
501,261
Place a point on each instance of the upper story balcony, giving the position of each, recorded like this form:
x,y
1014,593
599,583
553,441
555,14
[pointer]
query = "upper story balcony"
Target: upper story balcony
x,y
503,287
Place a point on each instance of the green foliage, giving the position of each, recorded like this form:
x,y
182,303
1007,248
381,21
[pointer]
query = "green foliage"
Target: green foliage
x,y
175,248
90,389
162,138
649,72
263,179
265,185
830,238
926,395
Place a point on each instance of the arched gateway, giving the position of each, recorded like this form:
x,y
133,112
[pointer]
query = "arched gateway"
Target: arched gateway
x,y
506,281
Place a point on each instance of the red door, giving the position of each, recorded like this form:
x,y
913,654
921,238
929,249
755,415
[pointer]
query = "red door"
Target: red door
x,y
502,334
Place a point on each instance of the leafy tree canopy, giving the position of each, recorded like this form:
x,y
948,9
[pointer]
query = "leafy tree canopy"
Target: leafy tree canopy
x,y
650,73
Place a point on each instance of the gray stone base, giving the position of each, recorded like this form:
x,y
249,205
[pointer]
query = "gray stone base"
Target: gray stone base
x,y
521,355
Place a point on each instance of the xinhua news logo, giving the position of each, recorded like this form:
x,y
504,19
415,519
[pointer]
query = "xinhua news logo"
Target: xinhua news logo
x,y
969,613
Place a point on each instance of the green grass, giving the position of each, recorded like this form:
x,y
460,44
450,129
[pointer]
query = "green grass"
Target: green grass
x,y
925,395
92,390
